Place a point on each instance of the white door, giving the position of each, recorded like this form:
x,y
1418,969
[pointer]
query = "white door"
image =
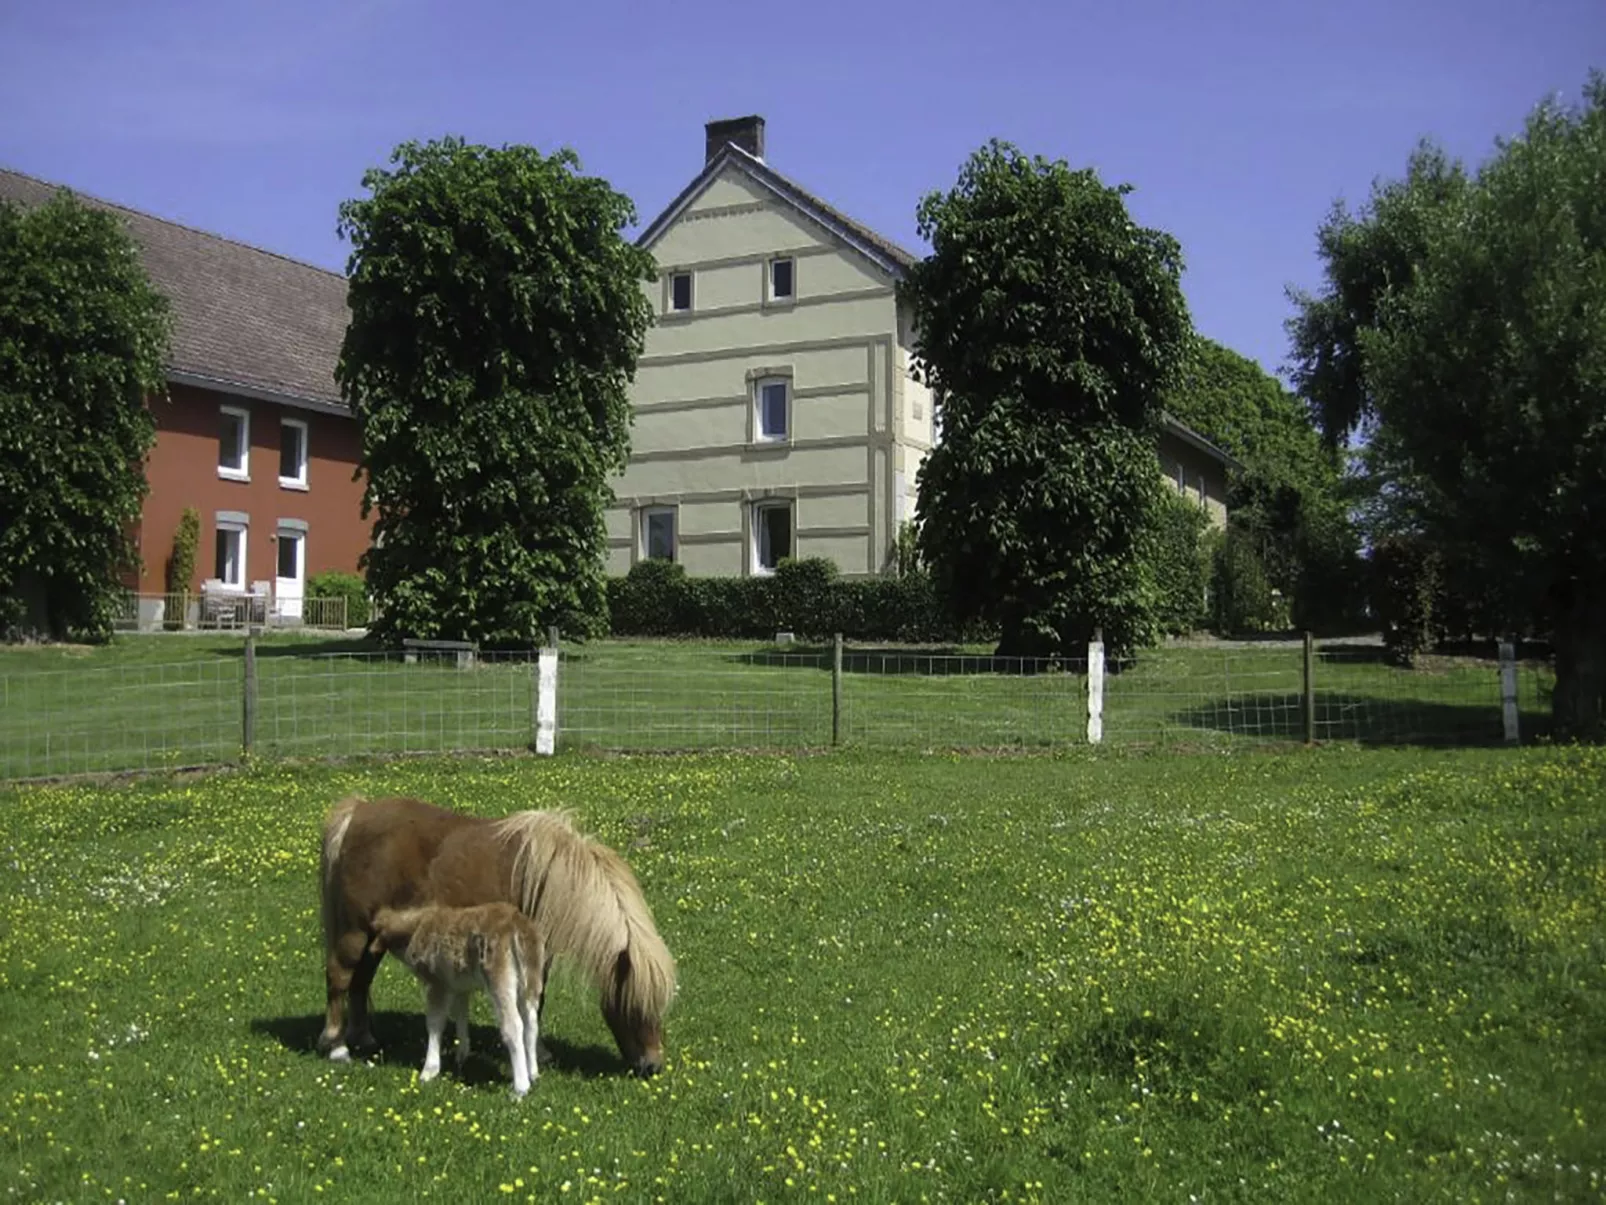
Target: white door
x,y
290,584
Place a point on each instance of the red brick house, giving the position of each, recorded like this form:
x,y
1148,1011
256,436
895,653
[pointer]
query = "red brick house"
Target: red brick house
x,y
252,433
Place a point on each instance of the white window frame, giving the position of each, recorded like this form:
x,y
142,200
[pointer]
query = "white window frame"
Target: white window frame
x,y
769,280
242,532
759,385
756,524
298,482
646,514
243,473
691,293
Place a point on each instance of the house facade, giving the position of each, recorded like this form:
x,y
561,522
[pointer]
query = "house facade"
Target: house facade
x,y
252,432
776,411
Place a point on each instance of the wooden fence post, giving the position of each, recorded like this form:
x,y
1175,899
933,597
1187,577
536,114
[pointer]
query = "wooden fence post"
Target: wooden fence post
x,y
1095,687
248,711
1310,689
1508,690
836,689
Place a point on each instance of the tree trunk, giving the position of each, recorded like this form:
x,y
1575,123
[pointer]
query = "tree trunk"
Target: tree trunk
x,y
1578,708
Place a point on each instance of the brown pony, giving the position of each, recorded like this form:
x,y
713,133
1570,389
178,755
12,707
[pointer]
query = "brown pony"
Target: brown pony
x,y
405,853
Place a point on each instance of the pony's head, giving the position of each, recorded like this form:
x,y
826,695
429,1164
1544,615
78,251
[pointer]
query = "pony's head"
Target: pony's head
x,y
633,1005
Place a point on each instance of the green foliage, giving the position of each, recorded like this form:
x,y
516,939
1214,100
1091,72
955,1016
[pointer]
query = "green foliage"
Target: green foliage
x,y
1474,344
336,583
1289,497
1049,328
1181,565
805,591
181,562
83,340
1240,592
497,316
1406,579
808,597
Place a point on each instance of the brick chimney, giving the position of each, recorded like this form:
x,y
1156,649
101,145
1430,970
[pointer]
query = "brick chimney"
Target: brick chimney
x,y
746,132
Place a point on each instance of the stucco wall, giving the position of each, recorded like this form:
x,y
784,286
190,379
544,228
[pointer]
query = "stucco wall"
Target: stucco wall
x,y
694,438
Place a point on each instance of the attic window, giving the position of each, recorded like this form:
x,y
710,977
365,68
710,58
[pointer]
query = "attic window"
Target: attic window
x,y
680,292
781,279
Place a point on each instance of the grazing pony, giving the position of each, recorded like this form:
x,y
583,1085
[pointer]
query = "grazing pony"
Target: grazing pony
x,y
454,952
400,853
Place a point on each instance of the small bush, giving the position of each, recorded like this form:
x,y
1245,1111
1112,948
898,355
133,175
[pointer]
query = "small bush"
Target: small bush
x,y
181,563
1182,566
335,583
1241,599
1405,586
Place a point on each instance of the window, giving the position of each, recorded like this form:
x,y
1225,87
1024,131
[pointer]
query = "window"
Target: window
x,y
234,443
293,453
781,279
773,402
772,535
230,562
680,292
658,533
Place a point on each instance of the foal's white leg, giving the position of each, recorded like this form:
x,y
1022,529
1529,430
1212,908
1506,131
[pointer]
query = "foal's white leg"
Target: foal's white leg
x,y
529,994
436,1003
505,995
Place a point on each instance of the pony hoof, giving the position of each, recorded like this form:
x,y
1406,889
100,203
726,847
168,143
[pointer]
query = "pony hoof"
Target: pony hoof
x,y
340,1054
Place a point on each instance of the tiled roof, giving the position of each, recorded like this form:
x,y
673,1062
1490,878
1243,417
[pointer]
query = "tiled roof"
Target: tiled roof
x,y
243,317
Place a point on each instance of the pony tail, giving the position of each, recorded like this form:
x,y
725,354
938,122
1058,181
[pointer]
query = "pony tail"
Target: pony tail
x,y
335,825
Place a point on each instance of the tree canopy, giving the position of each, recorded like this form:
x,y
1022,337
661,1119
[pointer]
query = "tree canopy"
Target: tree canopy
x,y
1288,501
497,314
83,341
1465,316
1049,326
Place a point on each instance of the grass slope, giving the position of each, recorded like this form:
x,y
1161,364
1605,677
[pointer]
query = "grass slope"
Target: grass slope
x,y
1346,975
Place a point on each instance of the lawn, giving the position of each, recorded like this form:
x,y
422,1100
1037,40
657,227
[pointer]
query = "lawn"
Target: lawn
x,y
1342,974
149,702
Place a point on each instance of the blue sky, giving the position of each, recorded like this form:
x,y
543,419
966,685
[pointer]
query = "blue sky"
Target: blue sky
x,y
1238,122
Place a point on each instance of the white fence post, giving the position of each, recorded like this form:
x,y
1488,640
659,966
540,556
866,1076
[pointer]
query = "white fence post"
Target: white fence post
x,y
546,701
1508,689
1095,687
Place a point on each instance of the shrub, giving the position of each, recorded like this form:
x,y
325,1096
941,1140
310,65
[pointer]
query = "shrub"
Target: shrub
x,y
1404,587
1240,592
181,563
808,596
1181,564
335,583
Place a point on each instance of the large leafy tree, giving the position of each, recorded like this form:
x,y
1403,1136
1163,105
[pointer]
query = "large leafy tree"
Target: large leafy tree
x,y
497,314
83,339
1480,356
1049,326
1289,501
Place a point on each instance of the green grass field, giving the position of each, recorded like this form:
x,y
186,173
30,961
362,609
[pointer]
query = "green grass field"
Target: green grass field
x,y
147,702
1343,974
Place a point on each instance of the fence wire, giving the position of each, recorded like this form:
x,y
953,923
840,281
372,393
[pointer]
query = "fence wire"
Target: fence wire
x,y
300,702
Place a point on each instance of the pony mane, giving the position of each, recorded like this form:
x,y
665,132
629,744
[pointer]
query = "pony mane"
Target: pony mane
x,y
587,903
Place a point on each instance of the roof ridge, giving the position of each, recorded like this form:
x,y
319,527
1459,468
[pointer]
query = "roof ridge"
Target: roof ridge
x,y
814,196
151,217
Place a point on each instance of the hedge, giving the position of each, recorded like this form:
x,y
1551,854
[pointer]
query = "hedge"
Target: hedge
x,y
807,597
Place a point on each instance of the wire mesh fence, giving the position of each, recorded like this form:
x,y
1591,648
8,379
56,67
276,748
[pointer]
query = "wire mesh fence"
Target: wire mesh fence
x,y
290,699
